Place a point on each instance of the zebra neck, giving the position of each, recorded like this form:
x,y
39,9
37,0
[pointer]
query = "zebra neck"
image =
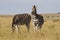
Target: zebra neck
x,y
34,17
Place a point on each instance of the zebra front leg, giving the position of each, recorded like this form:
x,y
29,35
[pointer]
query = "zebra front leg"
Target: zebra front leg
x,y
36,27
39,27
16,29
13,28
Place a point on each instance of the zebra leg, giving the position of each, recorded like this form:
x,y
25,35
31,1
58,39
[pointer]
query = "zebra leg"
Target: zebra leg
x,y
16,29
19,28
40,26
13,28
28,27
35,26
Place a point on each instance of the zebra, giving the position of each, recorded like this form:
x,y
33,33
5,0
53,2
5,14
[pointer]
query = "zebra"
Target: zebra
x,y
21,19
36,19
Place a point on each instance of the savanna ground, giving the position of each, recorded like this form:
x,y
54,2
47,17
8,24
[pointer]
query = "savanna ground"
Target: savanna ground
x,y
49,31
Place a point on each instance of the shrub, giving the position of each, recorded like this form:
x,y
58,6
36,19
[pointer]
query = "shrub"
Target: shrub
x,y
56,20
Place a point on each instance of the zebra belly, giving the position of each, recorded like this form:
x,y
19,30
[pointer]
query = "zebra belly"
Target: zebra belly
x,y
35,20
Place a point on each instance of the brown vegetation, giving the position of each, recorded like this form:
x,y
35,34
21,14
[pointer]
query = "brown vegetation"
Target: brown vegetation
x,y
50,30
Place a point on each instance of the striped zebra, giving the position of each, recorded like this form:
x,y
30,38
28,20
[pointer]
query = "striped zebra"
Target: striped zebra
x,y
21,19
36,19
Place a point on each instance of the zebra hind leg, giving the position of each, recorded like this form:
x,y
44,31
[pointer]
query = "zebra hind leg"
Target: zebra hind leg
x,y
36,28
13,28
28,27
16,29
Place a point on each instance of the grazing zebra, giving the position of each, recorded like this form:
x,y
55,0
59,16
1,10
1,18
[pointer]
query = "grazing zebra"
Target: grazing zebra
x,y
37,19
21,19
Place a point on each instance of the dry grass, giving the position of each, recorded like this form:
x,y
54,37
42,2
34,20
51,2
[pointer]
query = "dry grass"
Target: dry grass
x,y
50,31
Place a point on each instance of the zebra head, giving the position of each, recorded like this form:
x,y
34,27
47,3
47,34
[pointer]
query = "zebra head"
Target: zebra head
x,y
34,11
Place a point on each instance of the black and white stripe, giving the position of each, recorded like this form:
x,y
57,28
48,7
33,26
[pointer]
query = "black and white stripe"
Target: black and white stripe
x,y
21,19
36,19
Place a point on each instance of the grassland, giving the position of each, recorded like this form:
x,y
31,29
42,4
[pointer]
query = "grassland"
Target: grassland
x,y
50,29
